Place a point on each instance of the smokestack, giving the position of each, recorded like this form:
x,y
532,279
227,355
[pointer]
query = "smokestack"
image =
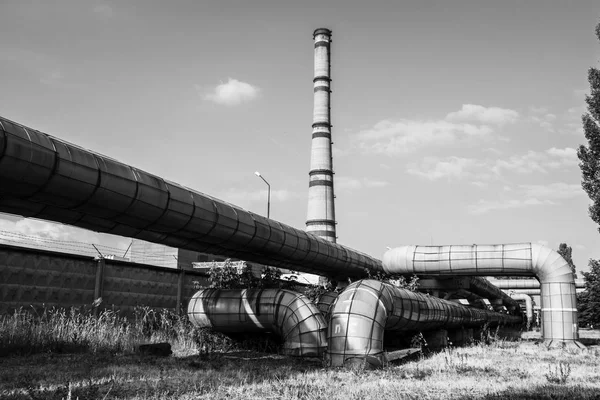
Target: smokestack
x,y
321,209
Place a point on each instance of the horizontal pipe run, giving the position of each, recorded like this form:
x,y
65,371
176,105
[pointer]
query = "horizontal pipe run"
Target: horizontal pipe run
x,y
366,309
44,177
526,283
288,314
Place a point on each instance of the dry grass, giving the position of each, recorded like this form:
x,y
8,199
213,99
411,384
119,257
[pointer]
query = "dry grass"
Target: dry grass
x,y
503,370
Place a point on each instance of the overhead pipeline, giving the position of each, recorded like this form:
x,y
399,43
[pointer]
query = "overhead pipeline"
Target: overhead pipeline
x,y
558,300
288,314
366,309
44,177
525,283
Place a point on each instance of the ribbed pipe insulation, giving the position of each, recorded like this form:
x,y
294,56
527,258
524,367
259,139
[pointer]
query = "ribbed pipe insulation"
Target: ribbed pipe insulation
x,y
288,314
534,292
558,295
509,284
44,177
366,309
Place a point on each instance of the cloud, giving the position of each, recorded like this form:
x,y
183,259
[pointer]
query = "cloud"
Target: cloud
x,y
540,116
232,93
528,196
403,136
484,115
553,191
535,161
451,168
348,184
52,236
480,170
485,206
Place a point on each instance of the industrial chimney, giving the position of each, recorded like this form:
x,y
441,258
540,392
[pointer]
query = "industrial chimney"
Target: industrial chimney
x,y
321,209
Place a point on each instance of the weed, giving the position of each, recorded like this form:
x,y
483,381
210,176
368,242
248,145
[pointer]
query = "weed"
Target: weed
x,y
559,374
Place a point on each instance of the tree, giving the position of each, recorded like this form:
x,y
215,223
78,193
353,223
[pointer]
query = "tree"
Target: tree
x,y
588,302
590,155
566,251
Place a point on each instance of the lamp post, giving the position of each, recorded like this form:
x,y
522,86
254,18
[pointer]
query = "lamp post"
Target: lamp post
x,y
269,193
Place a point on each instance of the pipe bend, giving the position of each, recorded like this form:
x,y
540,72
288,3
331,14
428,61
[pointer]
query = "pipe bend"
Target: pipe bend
x,y
549,266
557,286
288,314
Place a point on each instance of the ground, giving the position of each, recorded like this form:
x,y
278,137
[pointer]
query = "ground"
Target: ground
x,y
502,370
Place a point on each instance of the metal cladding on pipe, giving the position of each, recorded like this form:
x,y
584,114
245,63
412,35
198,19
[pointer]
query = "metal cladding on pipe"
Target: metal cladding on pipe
x,y
534,292
484,288
288,314
528,305
44,177
321,209
324,303
525,283
367,308
558,300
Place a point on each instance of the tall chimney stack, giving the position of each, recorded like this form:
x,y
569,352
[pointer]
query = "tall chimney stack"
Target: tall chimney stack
x,y
321,209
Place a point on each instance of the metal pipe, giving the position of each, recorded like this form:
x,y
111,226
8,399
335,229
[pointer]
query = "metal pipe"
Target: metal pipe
x,y
558,300
368,308
534,292
528,305
525,283
290,315
44,177
321,208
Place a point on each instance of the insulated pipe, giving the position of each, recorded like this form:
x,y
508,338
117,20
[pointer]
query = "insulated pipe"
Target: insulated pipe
x,y
534,292
321,208
528,305
44,177
324,303
558,300
525,283
367,308
483,288
288,314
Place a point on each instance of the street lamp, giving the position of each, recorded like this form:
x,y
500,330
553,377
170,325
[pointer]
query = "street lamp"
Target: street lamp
x,y
269,193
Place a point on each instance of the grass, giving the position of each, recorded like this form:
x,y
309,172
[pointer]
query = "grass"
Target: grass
x,y
107,367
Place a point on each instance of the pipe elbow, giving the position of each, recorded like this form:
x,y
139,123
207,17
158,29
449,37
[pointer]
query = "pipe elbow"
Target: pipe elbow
x,y
549,266
288,314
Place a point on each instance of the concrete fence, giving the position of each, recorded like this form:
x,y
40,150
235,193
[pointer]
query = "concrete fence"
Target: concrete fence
x,y
39,278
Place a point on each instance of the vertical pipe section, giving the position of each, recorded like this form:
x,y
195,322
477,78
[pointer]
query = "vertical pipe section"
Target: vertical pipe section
x,y
558,295
288,314
321,210
528,305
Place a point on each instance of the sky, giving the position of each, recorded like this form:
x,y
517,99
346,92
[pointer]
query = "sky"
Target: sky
x,y
454,122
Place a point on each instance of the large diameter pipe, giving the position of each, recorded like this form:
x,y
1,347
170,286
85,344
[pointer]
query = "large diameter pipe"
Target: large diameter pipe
x,y
44,177
288,314
509,284
533,292
366,309
558,298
